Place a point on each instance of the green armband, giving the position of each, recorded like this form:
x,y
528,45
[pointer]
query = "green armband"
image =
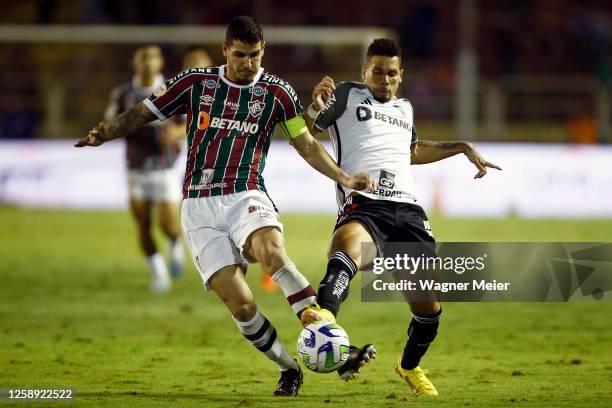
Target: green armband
x,y
292,128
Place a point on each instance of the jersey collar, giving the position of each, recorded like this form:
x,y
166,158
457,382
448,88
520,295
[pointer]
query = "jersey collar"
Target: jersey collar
x,y
230,83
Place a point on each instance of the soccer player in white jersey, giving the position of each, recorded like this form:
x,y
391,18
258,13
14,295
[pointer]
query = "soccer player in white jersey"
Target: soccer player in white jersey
x,y
152,180
228,220
373,131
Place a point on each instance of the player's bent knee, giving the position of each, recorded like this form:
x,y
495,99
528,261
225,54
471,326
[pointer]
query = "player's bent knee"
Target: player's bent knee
x,y
425,308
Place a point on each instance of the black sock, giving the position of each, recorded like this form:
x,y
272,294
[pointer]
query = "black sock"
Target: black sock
x,y
421,332
334,288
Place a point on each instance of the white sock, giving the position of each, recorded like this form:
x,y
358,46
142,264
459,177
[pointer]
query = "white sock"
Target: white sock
x,y
295,286
159,270
177,254
260,332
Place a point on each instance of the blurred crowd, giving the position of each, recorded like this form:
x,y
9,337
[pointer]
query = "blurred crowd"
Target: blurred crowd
x,y
561,39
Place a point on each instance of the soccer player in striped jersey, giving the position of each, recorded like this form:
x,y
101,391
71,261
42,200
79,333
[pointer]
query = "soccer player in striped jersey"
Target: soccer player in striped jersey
x,y
152,180
227,217
373,131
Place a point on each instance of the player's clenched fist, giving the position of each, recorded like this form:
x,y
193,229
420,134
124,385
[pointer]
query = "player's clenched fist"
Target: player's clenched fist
x,y
322,92
361,181
95,137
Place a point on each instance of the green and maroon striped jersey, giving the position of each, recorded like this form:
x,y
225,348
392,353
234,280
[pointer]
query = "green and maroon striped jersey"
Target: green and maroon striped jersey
x,y
229,126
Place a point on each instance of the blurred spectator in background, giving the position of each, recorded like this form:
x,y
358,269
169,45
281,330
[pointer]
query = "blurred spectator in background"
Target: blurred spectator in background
x,y
152,181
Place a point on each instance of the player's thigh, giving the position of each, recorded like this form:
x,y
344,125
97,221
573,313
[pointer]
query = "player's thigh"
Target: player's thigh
x,y
141,210
253,220
349,238
264,244
168,212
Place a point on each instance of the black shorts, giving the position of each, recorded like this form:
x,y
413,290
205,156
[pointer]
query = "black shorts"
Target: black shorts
x,y
389,221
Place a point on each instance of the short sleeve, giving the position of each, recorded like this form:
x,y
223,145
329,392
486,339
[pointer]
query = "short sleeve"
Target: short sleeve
x,y
290,105
415,136
335,106
172,97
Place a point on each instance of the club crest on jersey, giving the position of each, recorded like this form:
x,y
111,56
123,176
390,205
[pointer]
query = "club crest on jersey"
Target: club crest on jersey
x,y
258,90
210,83
207,100
256,107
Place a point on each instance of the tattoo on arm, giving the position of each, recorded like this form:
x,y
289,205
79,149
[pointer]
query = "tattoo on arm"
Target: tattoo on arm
x,y
130,121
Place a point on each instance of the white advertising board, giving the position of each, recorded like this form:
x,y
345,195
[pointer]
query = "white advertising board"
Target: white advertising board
x,y
538,180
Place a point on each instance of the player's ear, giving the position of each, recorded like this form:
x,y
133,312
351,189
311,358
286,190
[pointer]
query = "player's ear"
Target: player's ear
x,y
263,47
224,48
401,74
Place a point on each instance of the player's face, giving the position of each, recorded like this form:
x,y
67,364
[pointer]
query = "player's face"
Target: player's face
x,y
383,75
196,59
148,61
243,60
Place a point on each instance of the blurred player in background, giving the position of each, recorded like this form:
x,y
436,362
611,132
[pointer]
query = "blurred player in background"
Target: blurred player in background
x,y
372,131
227,217
152,181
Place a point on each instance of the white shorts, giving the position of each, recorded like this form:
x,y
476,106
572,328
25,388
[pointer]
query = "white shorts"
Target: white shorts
x,y
216,228
154,185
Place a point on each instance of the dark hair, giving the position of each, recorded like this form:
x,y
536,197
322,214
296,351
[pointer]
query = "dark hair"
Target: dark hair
x,y
245,29
384,47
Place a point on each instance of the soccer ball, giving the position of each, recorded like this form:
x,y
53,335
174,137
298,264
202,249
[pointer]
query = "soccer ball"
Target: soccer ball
x,y
323,346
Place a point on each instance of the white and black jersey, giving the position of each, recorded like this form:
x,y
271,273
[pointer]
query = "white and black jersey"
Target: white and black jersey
x,y
371,137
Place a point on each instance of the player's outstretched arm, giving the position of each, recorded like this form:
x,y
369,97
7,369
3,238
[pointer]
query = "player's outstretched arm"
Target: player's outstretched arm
x,y
122,125
425,151
311,150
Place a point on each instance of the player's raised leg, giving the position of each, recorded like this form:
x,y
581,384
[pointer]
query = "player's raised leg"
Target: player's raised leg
x,y
141,211
231,287
345,259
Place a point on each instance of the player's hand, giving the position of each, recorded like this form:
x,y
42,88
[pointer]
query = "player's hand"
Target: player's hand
x,y
361,182
95,137
322,92
479,161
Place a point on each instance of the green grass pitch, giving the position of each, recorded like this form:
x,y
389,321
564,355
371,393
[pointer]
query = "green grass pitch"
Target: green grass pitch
x,y
76,313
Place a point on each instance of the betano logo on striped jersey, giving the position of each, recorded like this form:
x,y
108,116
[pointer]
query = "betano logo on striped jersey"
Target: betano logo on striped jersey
x,y
205,121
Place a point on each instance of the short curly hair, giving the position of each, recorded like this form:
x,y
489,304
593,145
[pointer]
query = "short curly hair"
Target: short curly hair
x,y
384,47
245,29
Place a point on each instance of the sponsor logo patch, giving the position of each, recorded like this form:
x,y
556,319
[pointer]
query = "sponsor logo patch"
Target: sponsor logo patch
x,y
205,121
258,90
210,83
207,100
207,175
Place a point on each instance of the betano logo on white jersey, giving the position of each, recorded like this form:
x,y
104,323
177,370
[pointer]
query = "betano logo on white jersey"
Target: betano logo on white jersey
x,y
373,137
